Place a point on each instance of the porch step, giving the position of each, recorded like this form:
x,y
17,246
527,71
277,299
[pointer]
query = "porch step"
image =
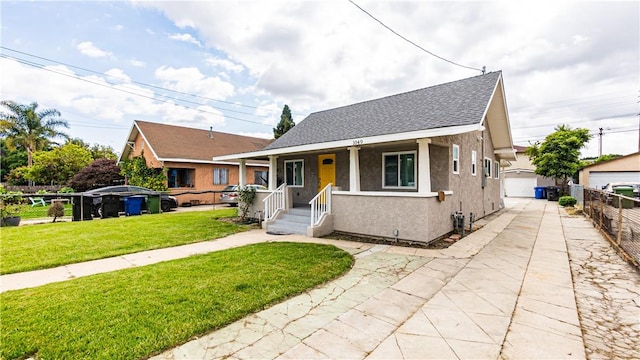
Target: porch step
x,y
294,222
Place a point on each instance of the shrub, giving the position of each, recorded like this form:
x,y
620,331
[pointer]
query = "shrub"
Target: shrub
x,y
66,190
101,172
56,210
567,201
245,199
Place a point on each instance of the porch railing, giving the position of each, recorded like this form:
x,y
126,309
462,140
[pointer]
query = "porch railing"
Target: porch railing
x,y
320,205
274,202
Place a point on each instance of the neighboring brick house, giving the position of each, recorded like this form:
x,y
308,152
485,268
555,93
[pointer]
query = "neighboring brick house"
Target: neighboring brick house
x,y
186,154
396,167
520,178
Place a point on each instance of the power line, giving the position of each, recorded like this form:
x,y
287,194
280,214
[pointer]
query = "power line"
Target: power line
x,y
413,43
592,133
42,67
150,85
572,122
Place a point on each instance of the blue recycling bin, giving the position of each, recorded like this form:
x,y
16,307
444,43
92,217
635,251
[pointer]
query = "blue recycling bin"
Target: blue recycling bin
x,y
540,192
133,205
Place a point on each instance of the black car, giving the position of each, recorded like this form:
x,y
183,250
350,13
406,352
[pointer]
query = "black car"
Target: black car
x,y
166,202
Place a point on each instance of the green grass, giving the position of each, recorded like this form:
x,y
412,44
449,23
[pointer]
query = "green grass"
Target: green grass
x,y
138,312
32,247
38,212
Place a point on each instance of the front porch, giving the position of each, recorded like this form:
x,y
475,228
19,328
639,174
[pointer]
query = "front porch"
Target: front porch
x,y
406,190
411,217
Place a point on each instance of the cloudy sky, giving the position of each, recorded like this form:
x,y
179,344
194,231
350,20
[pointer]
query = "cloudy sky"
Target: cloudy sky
x,y
232,65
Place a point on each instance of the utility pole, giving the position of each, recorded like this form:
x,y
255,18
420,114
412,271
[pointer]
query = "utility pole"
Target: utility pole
x,y
600,143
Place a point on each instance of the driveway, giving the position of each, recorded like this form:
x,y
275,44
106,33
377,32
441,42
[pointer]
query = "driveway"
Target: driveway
x,y
502,292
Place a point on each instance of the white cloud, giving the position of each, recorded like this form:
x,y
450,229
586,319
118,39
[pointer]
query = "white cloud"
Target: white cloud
x,y
559,59
119,27
94,98
188,38
198,117
117,75
262,135
190,80
137,63
87,48
224,64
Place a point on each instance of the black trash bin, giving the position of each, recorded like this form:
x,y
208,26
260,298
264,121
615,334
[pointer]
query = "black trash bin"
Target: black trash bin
x,y
553,193
109,206
82,207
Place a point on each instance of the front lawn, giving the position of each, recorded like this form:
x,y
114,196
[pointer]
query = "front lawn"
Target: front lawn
x,y
32,247
138,312
40,212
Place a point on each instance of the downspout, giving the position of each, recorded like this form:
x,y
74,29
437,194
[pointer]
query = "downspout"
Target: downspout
x,y
484,175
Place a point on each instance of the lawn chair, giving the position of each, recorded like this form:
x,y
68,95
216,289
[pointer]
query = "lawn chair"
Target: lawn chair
x,y
37,201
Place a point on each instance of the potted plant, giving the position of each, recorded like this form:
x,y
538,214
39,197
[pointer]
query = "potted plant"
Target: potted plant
x,y
10,207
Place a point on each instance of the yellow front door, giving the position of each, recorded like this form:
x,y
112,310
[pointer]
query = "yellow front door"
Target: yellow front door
x,y
326,170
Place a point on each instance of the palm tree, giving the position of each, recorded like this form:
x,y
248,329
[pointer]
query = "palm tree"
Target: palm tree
x,y
25,127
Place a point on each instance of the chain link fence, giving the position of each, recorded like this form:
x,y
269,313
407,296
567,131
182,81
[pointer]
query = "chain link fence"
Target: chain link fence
x,y
618,217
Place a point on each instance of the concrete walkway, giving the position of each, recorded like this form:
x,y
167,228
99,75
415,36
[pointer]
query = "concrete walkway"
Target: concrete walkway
x,y
504,291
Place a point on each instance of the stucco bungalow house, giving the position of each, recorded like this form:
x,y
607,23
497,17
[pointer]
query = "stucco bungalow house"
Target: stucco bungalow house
x,y
397,167
520,178
186,154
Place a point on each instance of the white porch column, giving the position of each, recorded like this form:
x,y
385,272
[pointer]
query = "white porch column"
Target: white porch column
x,y
424,169
273,172
242,181
354,169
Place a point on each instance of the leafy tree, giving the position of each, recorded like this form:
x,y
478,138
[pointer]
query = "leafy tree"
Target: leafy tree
x,y
558,155
103,152
101,172
285,124
97,151
10,160
19,176
606,157
59,165
139,174
27,128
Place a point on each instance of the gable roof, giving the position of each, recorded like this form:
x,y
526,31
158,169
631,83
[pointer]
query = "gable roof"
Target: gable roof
x,y
458,103
457,107
183,144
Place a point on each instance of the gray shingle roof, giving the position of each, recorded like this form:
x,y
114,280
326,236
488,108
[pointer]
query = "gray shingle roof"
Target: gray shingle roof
x,y
456,103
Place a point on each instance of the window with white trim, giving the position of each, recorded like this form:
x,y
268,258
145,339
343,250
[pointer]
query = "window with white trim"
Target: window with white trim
x,y
487,167
496,169
220,176
455,153
294,173
474,162
399,170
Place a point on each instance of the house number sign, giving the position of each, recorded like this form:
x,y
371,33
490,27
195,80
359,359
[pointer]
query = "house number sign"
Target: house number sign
x,y
358,142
